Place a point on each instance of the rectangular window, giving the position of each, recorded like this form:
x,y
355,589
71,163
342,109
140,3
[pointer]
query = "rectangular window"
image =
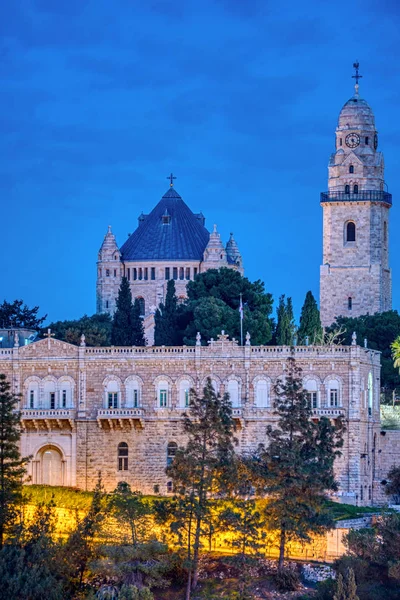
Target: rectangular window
x,y
312,399
146,274
163,398
112,399
106,303
153,273
194,272
341,141
122,463
140,273
167,273
334,397
128,274
175,272
52,400
107,272
187,272
186,398
181,273
350,303
135,398
115,272
64,399
31,399
134,274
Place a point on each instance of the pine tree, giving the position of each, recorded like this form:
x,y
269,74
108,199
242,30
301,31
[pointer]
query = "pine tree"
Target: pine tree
x,y
295,467
12,466
201,469
285,327
310,322
127,326
166,318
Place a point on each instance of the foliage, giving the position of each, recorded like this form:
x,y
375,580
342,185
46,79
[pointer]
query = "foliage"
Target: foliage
x,y
285,327
12,466
166,320
132,509
310,321
380,330
18,314
96,329
29,565
346,588
287,580
396,352
80,547
127,325
295,467
131,592
201,469
213,304
62,497
392,487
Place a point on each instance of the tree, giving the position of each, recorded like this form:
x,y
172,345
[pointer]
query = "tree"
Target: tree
x,y
285,328
213,304
346,589
96,329
295,467
18,314
396,352
12,466
310,321
380,330
127,325
392,487
132,509
203,467
166,319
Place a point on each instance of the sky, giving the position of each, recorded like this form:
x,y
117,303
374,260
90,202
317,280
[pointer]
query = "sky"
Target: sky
x,y
101,100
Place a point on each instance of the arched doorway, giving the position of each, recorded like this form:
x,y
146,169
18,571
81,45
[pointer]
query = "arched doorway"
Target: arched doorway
x,y
51,463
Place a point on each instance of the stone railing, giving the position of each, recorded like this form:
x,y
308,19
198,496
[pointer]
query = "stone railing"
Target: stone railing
x,y
48,413
329,412
120,413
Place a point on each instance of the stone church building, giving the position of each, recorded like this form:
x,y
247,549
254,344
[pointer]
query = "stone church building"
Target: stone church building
x,y
118,410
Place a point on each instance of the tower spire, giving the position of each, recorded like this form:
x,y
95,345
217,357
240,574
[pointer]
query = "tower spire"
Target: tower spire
x,y
357,76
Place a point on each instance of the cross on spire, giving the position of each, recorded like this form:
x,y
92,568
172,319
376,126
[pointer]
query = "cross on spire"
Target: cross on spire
x,y
357,76
171,180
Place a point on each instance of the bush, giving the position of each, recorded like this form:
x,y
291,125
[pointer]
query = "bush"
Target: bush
x,y
131,592
287,580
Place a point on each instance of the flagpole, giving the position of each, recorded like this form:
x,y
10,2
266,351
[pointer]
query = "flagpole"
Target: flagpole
x,y
241,320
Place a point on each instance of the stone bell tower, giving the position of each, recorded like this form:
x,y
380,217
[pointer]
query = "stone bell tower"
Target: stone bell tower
x,y
355,277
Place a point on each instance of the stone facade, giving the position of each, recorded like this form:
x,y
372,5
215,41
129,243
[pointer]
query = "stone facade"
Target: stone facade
x,y
355,277
118,410
174,244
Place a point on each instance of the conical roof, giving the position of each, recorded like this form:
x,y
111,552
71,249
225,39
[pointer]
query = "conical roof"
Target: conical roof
x,y
109,245
170,232
232,250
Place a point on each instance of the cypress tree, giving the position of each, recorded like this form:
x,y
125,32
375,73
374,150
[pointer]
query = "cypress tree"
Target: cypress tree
x,y
127,325
12,466
310,321
285,327
166,319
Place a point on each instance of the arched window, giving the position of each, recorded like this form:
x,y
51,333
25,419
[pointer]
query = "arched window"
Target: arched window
x,y
350,232
32,397
261,395
171,451
50,394
184,393
311,388
141,305
351,169
347,189
162,394
123,452
112,394
349,303
233,391
355,189
133,393
65,394
334,394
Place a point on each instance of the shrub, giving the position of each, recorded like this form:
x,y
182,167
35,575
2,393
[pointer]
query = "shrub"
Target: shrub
x,y
287,580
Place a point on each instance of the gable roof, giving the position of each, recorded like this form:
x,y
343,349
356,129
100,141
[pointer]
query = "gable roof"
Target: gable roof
x,y
180,235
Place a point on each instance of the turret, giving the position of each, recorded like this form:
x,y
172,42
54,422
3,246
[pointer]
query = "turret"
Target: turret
x,y
233,254
214,253
109,274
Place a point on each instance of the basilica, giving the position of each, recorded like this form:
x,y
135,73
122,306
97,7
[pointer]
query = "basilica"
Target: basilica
x,y
118,410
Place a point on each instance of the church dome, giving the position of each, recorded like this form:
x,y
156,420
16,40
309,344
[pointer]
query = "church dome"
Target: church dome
x,y
356,114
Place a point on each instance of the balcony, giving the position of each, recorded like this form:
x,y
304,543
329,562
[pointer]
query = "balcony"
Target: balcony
x,y
119,417
47,418
361,196
330,413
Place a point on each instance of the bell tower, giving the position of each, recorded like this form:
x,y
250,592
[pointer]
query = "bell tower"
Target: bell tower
x,y
355,278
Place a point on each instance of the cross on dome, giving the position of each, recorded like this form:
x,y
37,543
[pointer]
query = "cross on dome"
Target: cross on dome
x,y
357,76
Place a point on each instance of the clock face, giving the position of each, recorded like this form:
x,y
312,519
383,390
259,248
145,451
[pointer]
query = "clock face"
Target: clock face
x,y
352,140
375,141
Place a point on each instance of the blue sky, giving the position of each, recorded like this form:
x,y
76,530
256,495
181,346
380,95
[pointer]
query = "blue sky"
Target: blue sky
x,y
102,100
